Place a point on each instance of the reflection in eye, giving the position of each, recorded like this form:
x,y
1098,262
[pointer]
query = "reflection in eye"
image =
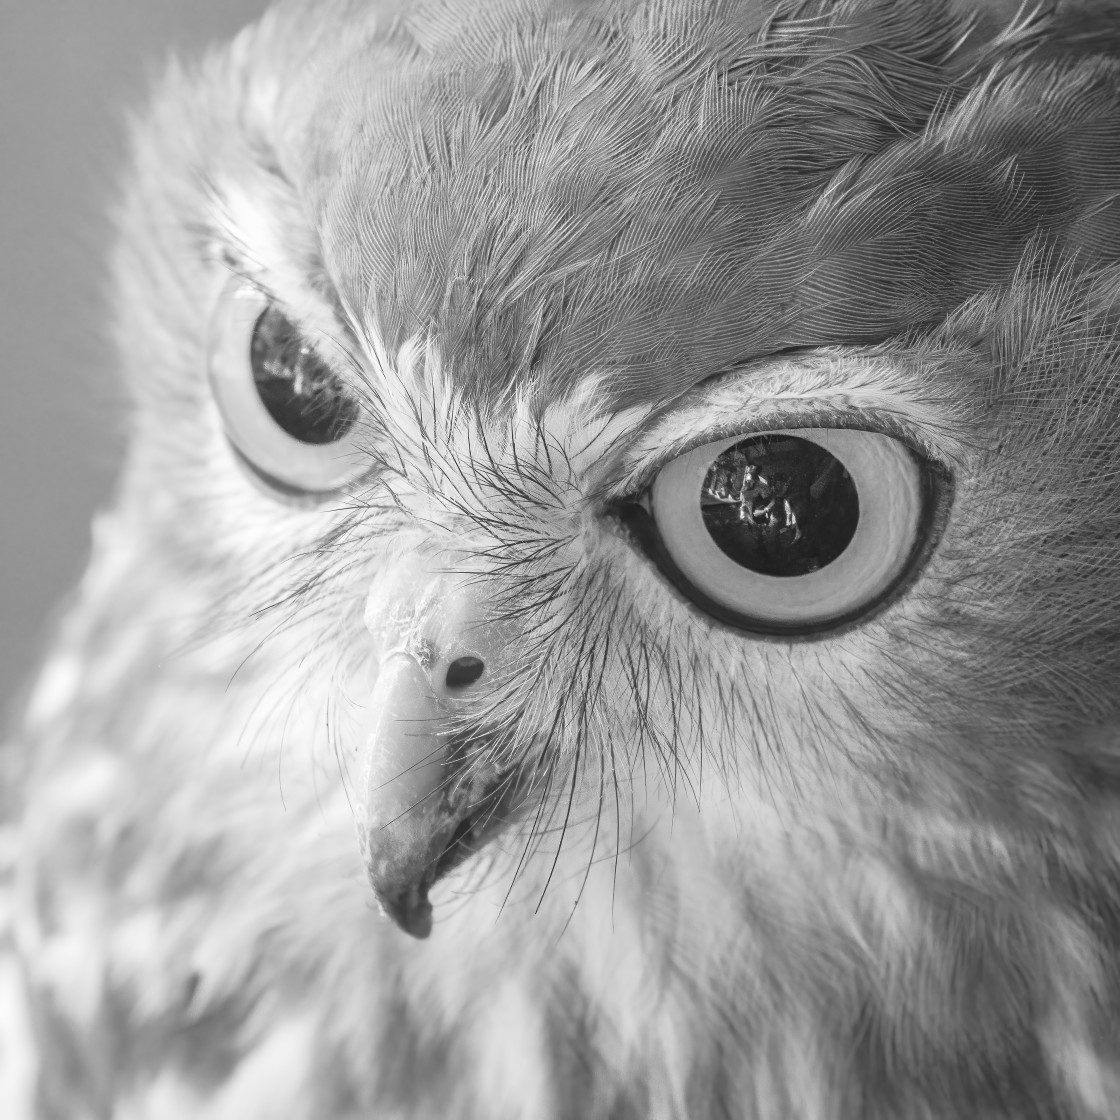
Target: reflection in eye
x,y
301,392
779,505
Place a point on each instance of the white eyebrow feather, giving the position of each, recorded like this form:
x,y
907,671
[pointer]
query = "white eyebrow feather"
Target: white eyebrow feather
x,y
422,408
258,223
893,390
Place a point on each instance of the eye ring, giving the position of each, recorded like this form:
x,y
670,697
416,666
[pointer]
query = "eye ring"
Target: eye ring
x,y
906,499
289,466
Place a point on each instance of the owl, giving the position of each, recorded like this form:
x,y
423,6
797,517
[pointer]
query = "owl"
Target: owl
x,y
610,608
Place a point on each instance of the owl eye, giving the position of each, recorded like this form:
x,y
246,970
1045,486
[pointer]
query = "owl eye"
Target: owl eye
x,y
286,412
791,532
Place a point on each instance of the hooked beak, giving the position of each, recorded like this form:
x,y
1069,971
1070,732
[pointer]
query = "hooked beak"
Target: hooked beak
x,y
428,805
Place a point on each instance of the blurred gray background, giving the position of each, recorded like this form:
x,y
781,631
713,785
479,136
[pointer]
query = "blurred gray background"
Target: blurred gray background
x,y
68,69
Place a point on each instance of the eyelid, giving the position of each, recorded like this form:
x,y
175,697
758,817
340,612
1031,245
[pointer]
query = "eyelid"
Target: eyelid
x,y
336,347
815,415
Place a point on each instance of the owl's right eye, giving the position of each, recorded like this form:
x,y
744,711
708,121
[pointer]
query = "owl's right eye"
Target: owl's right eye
x,y
791,533
286,412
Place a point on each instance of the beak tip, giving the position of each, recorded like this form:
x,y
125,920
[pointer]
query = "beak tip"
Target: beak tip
x,y
409,910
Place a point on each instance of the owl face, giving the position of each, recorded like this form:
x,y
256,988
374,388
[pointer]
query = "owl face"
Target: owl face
x,y
555,421
640,472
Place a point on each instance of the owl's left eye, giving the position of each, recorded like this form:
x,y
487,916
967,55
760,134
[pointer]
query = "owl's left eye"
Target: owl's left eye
x,y
790,532
286,411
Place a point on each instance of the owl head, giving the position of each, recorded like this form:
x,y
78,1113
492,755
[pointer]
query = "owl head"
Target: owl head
x,y
657,459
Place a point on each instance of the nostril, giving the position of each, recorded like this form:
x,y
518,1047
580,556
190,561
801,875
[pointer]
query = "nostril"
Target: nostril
x,y
464,671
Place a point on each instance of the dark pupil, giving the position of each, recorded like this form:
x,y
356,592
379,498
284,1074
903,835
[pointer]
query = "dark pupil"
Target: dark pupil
x,y
301,394
780,505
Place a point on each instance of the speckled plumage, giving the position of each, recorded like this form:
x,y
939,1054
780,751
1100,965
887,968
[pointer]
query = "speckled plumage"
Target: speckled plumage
x,y
872,876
